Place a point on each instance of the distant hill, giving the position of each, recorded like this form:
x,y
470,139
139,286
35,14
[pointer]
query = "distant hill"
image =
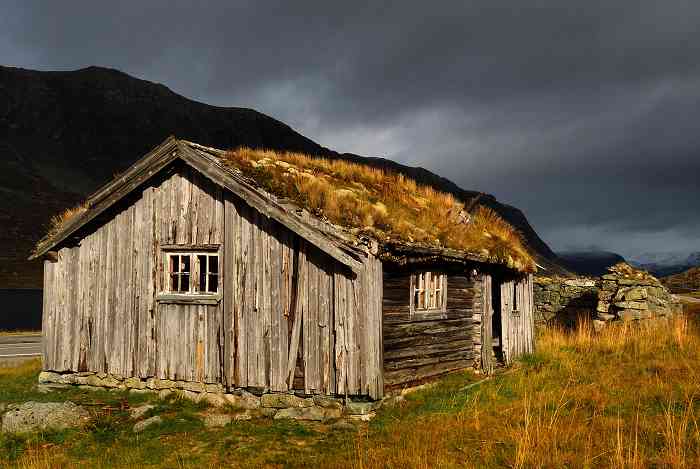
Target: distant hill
x,y
665,264
62,134
591,263
684,281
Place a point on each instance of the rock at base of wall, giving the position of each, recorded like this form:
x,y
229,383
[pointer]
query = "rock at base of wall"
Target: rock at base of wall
x,y
302,413
278,405
282,401
31,416
217,420
243,400
141,426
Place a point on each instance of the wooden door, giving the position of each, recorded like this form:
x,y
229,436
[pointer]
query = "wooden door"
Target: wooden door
x,y
517,318
508,323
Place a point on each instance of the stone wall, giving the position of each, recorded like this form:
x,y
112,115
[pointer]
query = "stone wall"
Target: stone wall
x,y
624,293
564,301
273,405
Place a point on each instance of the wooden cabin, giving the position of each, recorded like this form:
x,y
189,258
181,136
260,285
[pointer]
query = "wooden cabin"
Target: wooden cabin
x,y
184,268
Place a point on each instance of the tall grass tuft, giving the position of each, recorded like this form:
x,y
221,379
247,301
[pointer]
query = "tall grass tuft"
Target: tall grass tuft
x,y
624,397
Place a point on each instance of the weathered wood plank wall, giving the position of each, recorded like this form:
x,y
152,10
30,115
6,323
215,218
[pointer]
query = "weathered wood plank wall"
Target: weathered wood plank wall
x,y
486,342
100,296
517,312
282,299
429,344
288,304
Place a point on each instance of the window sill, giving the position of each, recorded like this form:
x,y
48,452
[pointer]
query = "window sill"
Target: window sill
x,y
429,314
180,299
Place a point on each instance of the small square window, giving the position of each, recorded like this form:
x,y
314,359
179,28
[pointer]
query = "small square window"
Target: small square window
x,y
428,292
192,272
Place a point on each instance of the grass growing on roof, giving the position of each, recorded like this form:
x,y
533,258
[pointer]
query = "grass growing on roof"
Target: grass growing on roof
x,y
58,221
384,204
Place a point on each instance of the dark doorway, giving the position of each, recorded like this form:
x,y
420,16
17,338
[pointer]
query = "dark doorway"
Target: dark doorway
x,y
496,321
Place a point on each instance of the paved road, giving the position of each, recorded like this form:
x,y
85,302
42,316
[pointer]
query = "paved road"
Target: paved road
x,y
20,346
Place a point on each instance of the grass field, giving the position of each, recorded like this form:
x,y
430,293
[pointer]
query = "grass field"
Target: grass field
x,y
628,397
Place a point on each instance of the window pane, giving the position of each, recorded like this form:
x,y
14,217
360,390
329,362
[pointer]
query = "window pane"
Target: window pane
x,y
185,264
213,264
174,263
173,282
213,283
202,261
185,283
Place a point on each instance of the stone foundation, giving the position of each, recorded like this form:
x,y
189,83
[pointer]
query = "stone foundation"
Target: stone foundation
x,y
272,405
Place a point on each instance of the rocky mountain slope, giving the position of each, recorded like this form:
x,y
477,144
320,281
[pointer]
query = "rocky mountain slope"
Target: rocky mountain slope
x,y
688,281
62,134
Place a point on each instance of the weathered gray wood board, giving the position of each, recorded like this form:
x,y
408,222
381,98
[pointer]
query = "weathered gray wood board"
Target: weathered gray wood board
x,y
283,300
287,303
486,349
429,344
517,312
100,298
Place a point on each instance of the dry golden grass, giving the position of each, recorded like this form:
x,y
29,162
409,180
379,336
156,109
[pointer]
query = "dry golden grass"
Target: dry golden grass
x,y
627,397
386,205
58,221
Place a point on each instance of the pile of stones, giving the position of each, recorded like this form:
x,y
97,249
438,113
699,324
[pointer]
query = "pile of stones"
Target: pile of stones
x,y
629,294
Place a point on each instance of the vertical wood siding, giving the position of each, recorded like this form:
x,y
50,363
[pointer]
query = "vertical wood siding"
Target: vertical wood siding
x,y
487,358
100,295
292,311
430,344
517,328
287,310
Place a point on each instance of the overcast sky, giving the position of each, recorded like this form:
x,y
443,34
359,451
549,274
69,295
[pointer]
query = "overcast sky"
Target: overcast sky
x,y
584,114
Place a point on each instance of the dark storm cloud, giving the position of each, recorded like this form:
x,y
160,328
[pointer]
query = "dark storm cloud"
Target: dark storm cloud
x,y
583,114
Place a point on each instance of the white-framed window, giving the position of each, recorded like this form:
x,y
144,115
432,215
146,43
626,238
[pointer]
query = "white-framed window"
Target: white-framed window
x,y
428,292
191,272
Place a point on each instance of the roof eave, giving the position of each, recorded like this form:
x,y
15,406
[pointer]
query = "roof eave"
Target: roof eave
x,y
172,149
108,194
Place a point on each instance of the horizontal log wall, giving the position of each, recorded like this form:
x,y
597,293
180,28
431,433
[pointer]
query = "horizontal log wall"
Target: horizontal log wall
x,y
281,297
429,344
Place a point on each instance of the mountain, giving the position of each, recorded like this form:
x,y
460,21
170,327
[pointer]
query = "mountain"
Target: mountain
x,y
63,134
667,263
687,281
591,263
